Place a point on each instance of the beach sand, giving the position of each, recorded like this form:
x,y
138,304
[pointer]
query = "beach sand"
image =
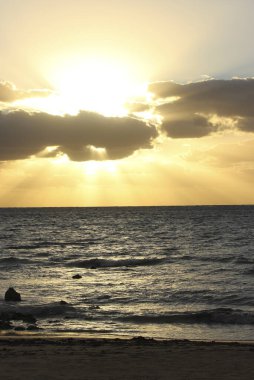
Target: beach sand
x,y
34,358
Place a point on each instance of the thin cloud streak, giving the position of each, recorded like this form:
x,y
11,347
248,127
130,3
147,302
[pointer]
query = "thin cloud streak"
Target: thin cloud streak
x,y
9,93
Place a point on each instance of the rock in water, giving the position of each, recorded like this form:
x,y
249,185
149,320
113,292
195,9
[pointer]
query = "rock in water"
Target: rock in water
x,y
76,277
32,327
63,303
12,295
5,325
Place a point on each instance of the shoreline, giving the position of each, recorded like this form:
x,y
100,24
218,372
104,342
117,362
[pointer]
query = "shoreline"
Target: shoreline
x,y
76,337
86,336
34,357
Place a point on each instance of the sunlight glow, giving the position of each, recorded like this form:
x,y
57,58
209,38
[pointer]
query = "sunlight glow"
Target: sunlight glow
x,y
100,167
100,85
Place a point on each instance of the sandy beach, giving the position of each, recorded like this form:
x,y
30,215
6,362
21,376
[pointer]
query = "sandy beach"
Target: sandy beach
x,y
71,358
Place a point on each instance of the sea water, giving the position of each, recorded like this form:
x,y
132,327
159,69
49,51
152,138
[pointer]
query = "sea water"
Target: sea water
x,y
162,272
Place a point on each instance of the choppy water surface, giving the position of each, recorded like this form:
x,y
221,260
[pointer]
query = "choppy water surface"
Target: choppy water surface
x,y
165,272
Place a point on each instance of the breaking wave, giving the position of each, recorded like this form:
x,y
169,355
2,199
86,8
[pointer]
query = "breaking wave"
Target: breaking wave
x,y
104,263
41,311
14,261
213,316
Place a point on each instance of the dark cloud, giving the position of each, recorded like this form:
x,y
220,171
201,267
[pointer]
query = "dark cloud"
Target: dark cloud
x,y
23,134
246,124
9,93
188,127
224,98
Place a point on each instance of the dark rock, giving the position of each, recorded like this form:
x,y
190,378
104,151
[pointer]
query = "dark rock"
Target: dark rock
x,y
12,295
5,325
4,316
27,318
63,303
93,267
32,328
142,340
19,328
104,297
76,277
15,316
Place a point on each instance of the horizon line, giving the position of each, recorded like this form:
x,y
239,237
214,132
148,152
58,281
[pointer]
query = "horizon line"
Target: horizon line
x,y
136,206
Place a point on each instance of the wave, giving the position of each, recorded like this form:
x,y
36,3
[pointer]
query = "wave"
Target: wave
x,y
43,244
103,263
219,259
244,260
50,244
214,316
41,311
249,271
14,261
23,246
212,259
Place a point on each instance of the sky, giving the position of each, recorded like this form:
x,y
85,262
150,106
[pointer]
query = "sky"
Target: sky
x,y
118,103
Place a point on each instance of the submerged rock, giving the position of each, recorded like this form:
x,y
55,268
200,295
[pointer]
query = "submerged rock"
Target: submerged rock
x,y
19,328
104,297
142,340
76,277
12,295
28,318
63,303
15,316
32,328
8,321
5,325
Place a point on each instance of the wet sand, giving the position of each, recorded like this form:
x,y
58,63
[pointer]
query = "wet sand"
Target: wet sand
x,y
34,358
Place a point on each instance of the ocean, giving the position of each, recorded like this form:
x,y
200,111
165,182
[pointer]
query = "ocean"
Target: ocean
x,y
159,272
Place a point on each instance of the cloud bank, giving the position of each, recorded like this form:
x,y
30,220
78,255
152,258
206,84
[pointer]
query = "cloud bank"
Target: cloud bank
x,y
191,114
190,110
23,134
9,93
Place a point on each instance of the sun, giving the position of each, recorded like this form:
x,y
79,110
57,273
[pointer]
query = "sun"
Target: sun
x,y
96,84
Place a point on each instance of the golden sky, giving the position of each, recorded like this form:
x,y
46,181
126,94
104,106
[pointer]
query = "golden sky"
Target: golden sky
x,y
109,103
